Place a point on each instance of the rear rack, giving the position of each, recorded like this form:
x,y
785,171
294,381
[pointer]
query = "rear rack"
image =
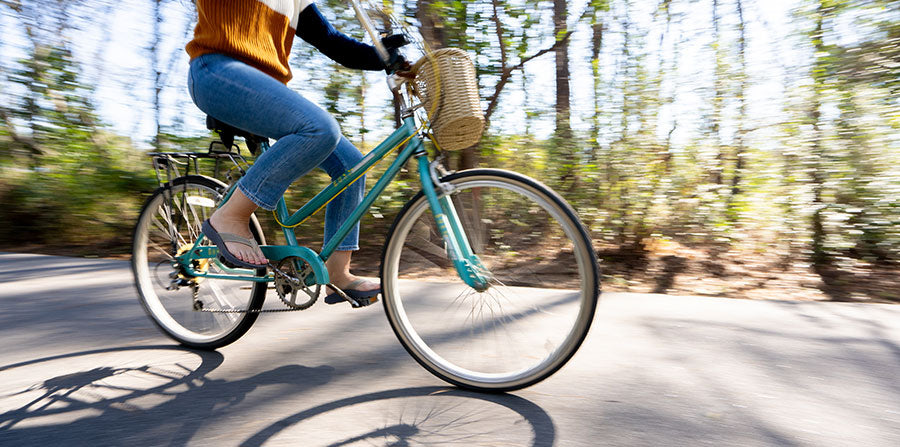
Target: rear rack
x,y
175,164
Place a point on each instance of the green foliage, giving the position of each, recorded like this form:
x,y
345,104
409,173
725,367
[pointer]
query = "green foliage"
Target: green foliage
x,y
67,181
81,194
821,182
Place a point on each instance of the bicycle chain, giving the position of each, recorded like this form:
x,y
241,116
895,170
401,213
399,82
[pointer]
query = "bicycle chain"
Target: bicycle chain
x,y
248,311
276,271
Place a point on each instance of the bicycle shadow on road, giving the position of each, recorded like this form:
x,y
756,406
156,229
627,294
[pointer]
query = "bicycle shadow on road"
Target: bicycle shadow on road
x,y
415,416
140,395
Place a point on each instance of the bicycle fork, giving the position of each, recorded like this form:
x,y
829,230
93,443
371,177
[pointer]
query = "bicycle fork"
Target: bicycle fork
x,y
466,262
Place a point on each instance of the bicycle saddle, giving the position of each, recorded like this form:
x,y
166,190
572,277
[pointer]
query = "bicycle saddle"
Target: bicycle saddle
x,y
228,132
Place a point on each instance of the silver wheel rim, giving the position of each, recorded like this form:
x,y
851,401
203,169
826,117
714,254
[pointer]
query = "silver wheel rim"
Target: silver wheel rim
x,y
147,285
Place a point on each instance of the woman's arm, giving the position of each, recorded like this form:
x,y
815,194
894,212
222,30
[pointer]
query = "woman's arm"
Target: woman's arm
x,y
351,53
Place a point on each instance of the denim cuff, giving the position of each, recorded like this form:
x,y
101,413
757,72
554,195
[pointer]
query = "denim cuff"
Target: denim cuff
x,y
253,198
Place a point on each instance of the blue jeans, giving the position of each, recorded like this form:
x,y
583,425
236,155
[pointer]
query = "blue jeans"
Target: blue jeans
x,y
308,137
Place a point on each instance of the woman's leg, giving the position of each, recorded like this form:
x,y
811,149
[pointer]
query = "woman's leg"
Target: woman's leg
x,y
342,160
249,99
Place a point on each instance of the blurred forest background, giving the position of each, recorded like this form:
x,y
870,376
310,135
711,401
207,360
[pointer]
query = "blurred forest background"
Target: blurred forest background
x,y
746,148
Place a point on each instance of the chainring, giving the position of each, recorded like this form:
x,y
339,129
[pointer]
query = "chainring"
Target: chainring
x,y
290,283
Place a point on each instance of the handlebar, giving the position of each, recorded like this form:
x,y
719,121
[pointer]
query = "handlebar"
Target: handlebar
x,y
387,47
387,50
366,23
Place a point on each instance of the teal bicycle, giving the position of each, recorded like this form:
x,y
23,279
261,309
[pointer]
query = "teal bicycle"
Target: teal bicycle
x,y
488,277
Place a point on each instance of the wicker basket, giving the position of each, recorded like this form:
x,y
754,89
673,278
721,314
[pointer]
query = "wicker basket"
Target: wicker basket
x,y
445,82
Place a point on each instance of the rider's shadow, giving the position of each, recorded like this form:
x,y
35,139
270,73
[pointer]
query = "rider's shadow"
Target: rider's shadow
x,y
163,395
135,405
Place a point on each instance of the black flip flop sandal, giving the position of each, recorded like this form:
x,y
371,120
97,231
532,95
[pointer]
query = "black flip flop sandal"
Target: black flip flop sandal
x,y
364,297
221,238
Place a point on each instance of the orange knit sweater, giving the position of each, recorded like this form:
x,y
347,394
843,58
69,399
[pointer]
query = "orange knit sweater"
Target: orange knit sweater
x,y
258,32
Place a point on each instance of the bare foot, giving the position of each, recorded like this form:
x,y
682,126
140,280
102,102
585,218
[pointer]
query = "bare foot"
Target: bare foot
x,y
224,224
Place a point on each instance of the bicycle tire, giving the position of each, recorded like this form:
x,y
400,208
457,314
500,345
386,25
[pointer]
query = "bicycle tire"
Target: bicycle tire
x,y
544,289
193,198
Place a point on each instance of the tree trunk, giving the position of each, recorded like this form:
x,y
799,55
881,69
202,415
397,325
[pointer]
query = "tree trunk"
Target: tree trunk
x,y
563,125
157,70
431,28
596,46
563,141
817,152
618,176
739,150
718,96
601,190
665,69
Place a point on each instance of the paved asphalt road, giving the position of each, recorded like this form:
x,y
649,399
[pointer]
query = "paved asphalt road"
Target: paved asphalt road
x,y
80,364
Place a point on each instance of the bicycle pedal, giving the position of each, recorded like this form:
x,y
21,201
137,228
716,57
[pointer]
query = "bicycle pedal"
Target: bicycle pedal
x,y
335,298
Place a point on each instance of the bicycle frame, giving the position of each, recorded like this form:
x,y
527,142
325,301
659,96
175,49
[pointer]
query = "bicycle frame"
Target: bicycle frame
x,y
466,262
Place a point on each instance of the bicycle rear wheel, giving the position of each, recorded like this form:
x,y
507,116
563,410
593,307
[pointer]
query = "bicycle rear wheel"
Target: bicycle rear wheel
x,y
180,305
544,283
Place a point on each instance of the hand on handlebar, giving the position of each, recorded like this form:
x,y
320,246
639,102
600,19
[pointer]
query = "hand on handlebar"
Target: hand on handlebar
x,y
401,67
396,62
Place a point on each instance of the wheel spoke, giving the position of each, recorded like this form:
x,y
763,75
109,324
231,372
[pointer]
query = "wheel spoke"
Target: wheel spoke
x,y
163,223
168,222
527,323
159,249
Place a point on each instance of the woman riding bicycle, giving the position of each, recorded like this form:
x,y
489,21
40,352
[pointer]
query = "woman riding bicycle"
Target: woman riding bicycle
x,y
238,71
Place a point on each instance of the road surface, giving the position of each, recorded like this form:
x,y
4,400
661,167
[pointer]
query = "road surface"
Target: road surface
x,y
80,364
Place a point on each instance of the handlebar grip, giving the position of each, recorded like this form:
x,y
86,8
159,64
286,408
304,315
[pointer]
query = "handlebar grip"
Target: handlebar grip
x,y
395,41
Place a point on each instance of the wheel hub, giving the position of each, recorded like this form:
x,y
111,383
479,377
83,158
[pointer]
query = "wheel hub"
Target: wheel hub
x,y
179,277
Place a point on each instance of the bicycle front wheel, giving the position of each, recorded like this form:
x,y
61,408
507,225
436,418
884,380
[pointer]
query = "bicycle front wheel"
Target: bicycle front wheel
x,y
543,283
197,312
